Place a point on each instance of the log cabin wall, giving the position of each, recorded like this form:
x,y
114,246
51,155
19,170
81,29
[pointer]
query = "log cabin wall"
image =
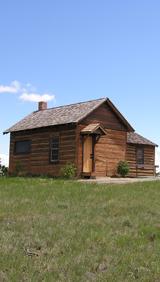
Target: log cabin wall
x,y
148,169
110,148
37,162
104,115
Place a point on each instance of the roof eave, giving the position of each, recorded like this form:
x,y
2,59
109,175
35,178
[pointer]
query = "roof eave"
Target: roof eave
x,y
6,132
12,131
143,144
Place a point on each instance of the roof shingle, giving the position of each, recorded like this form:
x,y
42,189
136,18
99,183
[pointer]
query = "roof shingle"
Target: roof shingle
x,y
56,116
135,138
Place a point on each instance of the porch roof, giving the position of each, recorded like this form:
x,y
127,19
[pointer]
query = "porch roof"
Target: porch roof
x,y
93,128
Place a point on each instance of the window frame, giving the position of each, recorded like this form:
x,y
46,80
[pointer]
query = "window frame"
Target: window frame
x,y
21,141
140,164
54,161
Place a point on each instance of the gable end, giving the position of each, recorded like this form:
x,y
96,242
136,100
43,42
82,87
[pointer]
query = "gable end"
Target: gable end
x,y
109,116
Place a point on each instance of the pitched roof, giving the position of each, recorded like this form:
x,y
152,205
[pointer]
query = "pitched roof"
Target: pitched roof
x,y
93,127
56,116
135,138
63,115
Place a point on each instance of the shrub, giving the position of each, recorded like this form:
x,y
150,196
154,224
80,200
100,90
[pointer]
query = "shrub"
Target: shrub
x,y
68,171
4,170
123,168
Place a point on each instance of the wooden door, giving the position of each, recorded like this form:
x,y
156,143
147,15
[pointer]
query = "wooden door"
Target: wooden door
x,y
87,155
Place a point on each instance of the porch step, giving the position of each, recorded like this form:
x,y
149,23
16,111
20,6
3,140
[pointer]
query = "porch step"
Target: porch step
x,y
88,175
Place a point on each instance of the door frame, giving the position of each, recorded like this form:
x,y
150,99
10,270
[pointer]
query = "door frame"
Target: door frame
x,y
93,136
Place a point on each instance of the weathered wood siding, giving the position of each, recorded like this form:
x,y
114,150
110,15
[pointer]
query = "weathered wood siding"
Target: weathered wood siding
x,y
148,169
38,161
104,115
109,150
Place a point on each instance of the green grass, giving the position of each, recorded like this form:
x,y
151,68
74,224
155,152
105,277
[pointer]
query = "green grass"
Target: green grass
x,y
55,230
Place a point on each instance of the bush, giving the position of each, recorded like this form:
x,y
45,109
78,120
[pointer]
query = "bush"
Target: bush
x,y
123,168
68,171
4,170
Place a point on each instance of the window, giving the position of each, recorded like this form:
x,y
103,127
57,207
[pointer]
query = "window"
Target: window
x,y
54,157
22,147
140,156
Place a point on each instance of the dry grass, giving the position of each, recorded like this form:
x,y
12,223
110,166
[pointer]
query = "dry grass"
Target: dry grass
x,y
55,230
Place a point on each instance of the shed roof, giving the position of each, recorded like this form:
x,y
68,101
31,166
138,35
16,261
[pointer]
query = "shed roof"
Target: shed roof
x,y
135,138
64,115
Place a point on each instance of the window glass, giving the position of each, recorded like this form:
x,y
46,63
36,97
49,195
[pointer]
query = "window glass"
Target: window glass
x,y
22,147
55,149
140,156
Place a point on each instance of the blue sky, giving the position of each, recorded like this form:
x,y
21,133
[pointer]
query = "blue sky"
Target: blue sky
x,y
81,50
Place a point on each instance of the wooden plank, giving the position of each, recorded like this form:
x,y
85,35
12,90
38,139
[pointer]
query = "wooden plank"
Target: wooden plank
x,y
38,161
149,161
105,115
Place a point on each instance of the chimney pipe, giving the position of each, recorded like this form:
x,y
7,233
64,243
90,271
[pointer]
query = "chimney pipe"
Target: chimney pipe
x,y
42,106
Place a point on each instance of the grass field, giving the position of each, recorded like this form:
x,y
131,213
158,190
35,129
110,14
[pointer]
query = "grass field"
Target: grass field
x,y
55,230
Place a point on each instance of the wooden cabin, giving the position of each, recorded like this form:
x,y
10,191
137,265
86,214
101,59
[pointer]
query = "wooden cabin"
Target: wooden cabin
x,y
93,135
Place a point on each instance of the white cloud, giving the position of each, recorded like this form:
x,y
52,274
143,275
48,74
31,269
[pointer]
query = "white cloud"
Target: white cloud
x,y
14,87
27,92
4,159
34,97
